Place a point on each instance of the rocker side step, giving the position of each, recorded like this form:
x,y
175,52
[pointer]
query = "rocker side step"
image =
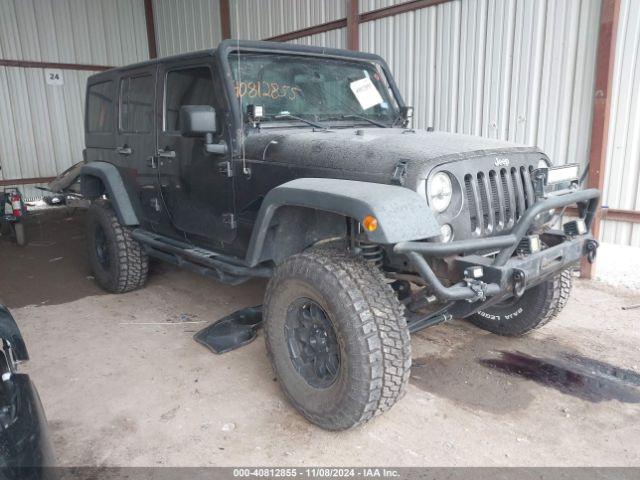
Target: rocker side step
x,y
182,254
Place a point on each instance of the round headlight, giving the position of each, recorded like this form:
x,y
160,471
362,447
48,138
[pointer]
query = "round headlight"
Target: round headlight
x,y
440,192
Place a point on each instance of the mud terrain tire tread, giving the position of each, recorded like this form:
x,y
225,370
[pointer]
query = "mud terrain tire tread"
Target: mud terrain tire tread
x,y
131,266
376,317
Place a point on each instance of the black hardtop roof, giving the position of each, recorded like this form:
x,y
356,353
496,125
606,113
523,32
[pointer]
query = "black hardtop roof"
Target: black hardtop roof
x,y
227,46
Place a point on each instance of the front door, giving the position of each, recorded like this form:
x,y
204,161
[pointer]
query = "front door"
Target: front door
x,y
197,191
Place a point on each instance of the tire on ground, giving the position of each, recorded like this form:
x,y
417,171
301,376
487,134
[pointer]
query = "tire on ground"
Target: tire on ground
x,y
126,265
370,328
537,307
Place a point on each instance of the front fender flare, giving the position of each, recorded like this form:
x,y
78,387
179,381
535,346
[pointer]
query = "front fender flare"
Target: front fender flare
x,y
115,189
402,214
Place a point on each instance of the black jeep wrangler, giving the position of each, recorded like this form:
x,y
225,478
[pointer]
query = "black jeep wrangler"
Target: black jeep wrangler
x,y
298,164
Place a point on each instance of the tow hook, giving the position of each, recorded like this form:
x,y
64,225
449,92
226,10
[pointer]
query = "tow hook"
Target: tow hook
x,y
479,288
519,282
591,248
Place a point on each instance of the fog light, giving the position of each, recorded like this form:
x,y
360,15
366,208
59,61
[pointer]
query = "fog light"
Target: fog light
x,y
446,233
575,227
534,243
529,244
474,272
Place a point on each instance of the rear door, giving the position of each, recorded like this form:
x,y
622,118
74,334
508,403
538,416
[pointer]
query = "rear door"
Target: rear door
x,y
136,143
197,190
100,118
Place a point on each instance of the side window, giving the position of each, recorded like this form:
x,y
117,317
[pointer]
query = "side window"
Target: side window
x,y
136,104
188,86
100,108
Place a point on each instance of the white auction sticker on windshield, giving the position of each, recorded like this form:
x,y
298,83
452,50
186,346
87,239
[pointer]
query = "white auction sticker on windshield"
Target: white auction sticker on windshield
x,y
366,93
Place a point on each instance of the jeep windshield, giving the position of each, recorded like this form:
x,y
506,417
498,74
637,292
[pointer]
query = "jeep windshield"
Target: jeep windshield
x,y
302,90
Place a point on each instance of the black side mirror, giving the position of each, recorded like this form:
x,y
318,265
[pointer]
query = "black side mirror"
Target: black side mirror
x,y
197,120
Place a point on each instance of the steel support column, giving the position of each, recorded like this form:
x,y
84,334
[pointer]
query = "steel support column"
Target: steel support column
x,y
151,28
225,19
605,62
353,24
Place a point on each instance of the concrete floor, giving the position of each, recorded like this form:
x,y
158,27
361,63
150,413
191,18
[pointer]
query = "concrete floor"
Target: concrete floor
x,y
123,382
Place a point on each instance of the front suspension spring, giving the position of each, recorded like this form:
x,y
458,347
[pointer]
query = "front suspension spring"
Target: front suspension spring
x,y
371,252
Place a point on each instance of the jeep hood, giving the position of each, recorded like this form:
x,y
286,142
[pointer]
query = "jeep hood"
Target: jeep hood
x,y
372,153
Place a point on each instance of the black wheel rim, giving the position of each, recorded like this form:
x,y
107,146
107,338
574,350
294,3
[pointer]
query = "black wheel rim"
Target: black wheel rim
x,y
101,247
313,346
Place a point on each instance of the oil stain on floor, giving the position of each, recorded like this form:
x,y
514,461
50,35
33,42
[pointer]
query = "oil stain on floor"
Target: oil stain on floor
x,y
482,372
574,375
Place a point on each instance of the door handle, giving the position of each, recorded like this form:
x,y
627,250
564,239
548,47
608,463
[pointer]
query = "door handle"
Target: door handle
x,y
166,154
124,150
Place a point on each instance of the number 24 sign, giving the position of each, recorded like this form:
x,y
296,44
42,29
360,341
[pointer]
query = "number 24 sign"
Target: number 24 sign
x,y
53,76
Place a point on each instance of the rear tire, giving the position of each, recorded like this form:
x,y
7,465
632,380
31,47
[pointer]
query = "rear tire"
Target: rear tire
x,y
337,338
537,307
118,261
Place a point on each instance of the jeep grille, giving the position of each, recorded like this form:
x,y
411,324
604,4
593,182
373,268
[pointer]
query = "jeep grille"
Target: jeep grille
x,y
496,199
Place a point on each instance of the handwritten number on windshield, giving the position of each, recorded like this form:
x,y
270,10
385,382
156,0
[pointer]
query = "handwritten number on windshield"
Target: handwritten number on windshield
x,y
273,90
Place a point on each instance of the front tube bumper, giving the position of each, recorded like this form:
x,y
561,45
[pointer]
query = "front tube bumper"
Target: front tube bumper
x,y
502,269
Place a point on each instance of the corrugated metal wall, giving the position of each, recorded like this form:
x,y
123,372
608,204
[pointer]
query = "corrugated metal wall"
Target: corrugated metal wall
x,y
519,70
368,5
98,32
622,180
42,129
333,39
257,20
186,26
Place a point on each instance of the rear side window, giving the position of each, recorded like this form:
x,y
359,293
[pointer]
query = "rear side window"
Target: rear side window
x,y
188,86
100,108
136,104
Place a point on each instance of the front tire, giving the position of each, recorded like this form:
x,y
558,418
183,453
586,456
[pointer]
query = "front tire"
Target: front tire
x,y
337,338
537,307
118,261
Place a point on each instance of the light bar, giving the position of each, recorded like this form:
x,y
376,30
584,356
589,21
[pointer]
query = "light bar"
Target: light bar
x,y
565,173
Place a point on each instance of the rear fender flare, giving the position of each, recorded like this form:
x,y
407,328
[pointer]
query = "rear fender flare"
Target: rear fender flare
x,y
114,188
